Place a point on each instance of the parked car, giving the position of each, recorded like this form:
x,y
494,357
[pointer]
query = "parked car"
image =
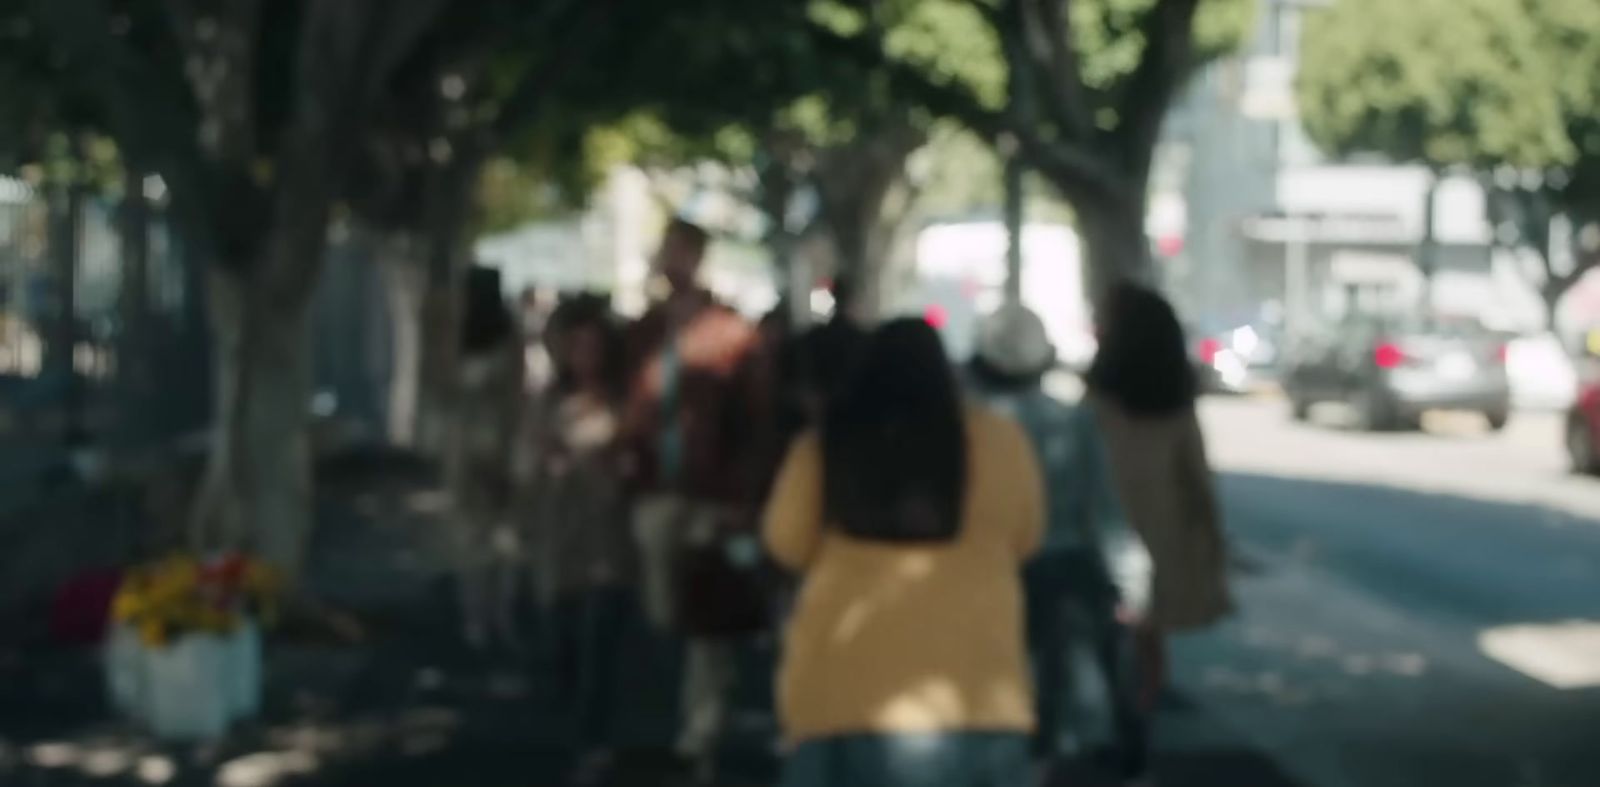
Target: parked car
x,y
1391,370
1583,429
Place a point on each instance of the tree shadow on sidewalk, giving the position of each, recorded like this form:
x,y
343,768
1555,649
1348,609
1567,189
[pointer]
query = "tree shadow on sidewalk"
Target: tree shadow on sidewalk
x,y
406,705
403,704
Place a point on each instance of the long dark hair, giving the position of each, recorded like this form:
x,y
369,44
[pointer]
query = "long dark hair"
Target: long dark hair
x,y
486,319
591,312
1143,363
895,444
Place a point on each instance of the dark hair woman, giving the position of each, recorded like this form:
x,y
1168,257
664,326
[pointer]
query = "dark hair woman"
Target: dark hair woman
x,y
908,516
1143,391
585,343
487,323
1143,363
488,391
577,516
894,447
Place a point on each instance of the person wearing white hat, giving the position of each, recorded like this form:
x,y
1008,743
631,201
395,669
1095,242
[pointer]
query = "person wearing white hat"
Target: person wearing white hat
x,y
1091,561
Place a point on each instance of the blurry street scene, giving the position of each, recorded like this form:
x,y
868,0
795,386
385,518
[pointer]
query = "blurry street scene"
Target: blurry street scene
x,y
800,393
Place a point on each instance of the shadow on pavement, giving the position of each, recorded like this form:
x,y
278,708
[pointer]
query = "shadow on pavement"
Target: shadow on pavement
x,y
1226,768
406,706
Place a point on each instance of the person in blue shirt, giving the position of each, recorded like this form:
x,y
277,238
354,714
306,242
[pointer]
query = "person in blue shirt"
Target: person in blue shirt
x,y
1090,578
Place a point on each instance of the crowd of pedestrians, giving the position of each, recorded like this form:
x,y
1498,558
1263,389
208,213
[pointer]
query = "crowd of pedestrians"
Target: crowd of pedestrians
x,y
942,541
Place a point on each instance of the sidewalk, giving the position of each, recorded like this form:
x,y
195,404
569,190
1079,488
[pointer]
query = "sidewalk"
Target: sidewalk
x,y
407,707
342,717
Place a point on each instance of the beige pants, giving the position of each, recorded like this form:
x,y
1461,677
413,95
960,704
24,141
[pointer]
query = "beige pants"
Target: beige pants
x,y
663,526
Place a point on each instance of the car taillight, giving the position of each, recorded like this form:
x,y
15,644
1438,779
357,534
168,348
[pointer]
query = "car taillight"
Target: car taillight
x,y
1388,356
1209,350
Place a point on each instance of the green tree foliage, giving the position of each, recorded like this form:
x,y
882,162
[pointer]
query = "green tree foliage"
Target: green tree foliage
x,y
1079,88
50,131
1570,39
764,97
1440,82
267,117
1500,87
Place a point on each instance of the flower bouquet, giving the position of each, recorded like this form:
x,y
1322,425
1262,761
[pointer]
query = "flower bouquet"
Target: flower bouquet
x,y
184,655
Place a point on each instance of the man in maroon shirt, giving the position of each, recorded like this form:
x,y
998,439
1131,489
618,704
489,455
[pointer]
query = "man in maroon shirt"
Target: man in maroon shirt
x,y
695,473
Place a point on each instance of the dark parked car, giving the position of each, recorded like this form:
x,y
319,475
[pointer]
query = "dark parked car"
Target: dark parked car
x,y
1392,370
1583,429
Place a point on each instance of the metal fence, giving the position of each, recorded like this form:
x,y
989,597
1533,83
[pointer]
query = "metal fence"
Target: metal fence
x,y
65,352
58,376
83,365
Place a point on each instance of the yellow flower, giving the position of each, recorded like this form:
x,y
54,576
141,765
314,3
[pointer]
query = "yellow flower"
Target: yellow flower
x,y
179,595
152,633
125,607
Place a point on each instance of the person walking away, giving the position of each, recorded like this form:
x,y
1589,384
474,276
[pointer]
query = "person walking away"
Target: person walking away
x,y
584,562
777,372
1143,391
908,516
536,312
1072,581
478,462
827,353
695,471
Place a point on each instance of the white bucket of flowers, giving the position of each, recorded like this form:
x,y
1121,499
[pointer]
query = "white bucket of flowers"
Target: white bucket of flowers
x,y
184,656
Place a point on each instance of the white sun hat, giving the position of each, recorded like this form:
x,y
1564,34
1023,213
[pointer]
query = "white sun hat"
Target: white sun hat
x,y
1013,341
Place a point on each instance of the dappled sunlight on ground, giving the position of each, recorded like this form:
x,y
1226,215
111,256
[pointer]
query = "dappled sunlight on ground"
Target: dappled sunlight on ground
x,y
1412,608
266,769
1311,668
98,758
263,758
1561,655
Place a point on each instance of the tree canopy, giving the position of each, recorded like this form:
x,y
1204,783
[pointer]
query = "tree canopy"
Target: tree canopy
x,y
1438,82
1492,86
1080,88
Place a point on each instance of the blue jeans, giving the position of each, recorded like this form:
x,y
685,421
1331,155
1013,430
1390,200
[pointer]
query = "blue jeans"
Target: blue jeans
x,y
955,759
1072,600
587,629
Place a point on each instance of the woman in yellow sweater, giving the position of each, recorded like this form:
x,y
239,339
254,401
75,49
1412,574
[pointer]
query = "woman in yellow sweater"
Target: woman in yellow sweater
x,y
908,515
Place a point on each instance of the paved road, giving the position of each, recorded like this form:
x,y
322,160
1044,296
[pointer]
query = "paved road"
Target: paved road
x,y
1416,609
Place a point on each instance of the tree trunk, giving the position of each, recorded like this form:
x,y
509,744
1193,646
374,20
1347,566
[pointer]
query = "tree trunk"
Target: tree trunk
x,y
257,493
66,208
1428,248
1014,210
60,361
778,194
436,367
133,354
448,253
855,183
405,279
863,234
1114,246
1552,303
